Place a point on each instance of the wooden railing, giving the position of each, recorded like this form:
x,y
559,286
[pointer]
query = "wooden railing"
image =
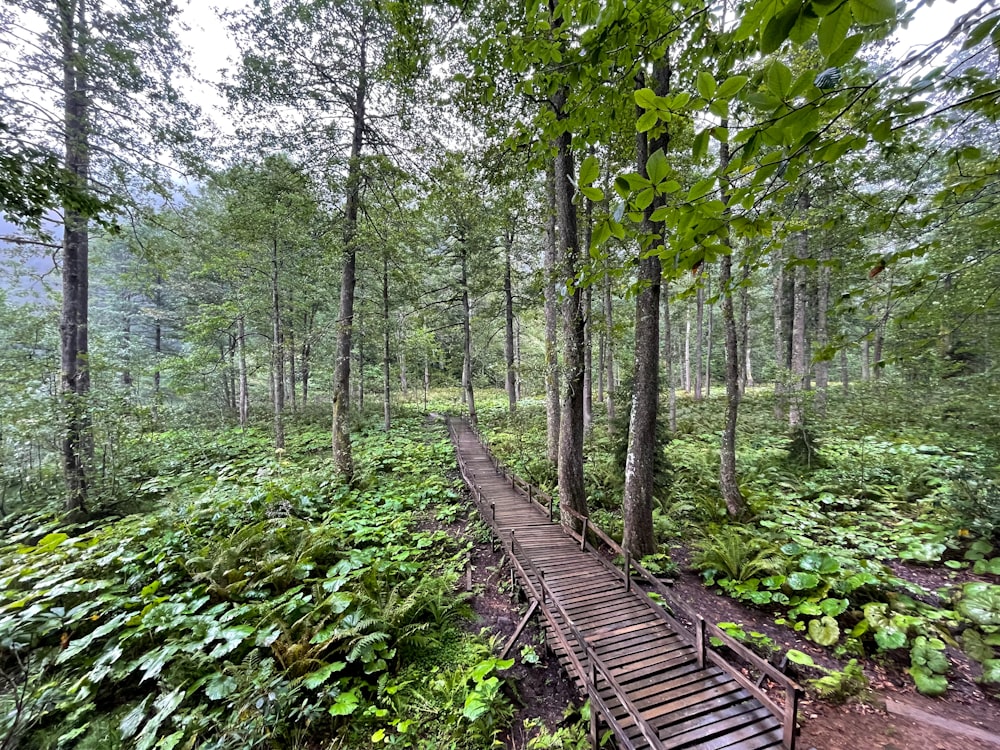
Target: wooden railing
x,y
698,633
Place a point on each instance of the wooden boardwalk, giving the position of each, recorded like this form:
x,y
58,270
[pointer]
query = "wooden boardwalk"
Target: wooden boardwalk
x,y
647,670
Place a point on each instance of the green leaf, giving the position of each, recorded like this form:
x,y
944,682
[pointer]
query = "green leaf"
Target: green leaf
x,y
798,657
706,84
590,170
314,679
701,188
980,603
592,193
779,79
819,562
833,607
847,50
799,581
833,30
643,199
648,121
346,704
657,166
872,12
731,86
700,146
778,28
133,719
825,631
991,671
220,686
645,98
927,682
890,638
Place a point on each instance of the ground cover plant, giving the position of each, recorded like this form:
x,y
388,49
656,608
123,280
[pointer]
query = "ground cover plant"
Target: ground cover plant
x,y
258,602
884,550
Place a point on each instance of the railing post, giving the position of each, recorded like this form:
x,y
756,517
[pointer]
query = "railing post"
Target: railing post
x,y
529,493
583,537
541,584
493,513
790,729
628,571
551,517
699,642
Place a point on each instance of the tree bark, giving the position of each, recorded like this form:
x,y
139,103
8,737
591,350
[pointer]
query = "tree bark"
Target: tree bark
x,y
343,461
877,349
588,353
244,396
640,461
728,482
551,325
746,372
508,342
77,449
668,357
822,332
699,336
687,347
844,373
386,351
711,325
609,349
866,360
800,365
470,397
780,362
571,486
277,353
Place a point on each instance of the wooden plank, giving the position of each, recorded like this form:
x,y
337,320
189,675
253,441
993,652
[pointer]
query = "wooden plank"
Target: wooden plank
x,y
762,733
699,723
720,728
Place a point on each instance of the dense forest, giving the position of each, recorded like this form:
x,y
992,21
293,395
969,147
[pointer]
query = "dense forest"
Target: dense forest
x,y
715,274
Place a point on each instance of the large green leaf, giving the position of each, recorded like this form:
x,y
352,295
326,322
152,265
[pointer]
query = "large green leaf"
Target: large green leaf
x,y
872,12
800,581
825,631
980,603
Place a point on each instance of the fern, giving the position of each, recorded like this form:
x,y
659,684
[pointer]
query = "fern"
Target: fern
x,y
737,555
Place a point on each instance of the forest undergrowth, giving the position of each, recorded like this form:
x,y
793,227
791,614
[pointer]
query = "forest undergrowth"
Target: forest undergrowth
x,y
883,549
252,600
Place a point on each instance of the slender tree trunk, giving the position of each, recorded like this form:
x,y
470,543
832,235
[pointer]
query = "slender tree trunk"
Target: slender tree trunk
x,y
601,345
668,358
508,341
844,373
800,363
227,395
305,353
361,370
517,361
711,319
427,378
687,347
292,373
640,461
552,261
77,449
277,353
342,459
780,363
728,482
244,398
822,332
877,349
571,488
609,349
470,397
588,352
386,351
746,372
699,336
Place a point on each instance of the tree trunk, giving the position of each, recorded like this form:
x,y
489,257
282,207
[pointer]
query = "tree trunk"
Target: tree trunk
x,y
305,354
687,347
508,341
822,332
277,353
386,352
877,349
244,397
640,461
778,311
711,320
77,449
588,353
844,374
699,336
292,374
470,397
668,357
609,349
799,364
571,487
343,461
728,483
866,360
552,415
746,372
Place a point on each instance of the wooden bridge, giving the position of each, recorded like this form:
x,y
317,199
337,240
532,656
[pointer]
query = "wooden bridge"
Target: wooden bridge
x,y
647,667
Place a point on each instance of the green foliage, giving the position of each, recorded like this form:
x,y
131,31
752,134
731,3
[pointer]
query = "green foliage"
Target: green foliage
x,y
262,603
835,685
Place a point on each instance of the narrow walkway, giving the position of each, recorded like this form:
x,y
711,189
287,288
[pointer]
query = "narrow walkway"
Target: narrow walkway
x,y
655,683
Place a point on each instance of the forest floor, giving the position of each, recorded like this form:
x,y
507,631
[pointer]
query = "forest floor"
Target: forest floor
x,y
890,716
